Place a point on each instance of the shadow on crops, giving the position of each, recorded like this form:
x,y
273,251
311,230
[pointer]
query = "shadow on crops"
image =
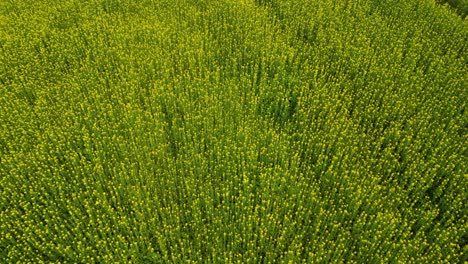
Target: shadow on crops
x,y
459,6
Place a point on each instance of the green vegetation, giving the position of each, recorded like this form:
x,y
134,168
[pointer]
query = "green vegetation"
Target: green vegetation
x,y
233,131
460,6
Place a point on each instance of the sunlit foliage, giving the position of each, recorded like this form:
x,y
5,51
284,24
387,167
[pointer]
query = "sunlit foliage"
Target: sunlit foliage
x,y
233,131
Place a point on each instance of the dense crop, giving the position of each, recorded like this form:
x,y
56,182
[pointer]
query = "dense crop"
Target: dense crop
x,y
460,6
233,131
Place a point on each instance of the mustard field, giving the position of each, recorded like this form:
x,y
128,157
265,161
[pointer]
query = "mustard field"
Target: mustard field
x,y
233,131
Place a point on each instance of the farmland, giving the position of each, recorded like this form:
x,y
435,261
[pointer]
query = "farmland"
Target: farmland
x,y
233,131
